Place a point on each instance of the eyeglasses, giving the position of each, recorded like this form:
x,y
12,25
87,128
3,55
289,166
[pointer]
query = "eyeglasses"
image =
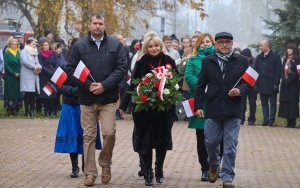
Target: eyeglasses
x,y
222,42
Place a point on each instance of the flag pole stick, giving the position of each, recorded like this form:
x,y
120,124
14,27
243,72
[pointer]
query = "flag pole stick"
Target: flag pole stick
x,y
236,83
92,77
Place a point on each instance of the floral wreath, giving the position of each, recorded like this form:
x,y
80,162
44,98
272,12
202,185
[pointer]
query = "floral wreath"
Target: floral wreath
x,y
158,90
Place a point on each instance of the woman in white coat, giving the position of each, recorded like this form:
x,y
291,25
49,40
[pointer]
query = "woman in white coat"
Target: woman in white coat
x,y
29,79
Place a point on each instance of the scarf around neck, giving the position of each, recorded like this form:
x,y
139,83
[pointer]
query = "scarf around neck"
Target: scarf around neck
x,y
47,54
30,50
13,51
203,52
224,57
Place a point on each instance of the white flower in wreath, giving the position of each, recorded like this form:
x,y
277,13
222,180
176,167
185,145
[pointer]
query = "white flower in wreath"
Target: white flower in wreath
x,y
184,63
177,61
166,91
176,86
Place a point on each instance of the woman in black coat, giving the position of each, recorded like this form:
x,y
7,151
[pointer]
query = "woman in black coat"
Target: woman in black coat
x,y
49,62
289,88
152,128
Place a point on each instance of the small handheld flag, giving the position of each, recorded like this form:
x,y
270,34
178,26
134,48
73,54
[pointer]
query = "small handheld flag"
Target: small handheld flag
x,y
59,77
48,89
250,76
188,106
81,71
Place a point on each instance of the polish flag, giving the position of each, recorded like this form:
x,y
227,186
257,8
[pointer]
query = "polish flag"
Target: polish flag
x,y
250,76
81,71
286,69
298,69
128,77
59,77
48,89
188,106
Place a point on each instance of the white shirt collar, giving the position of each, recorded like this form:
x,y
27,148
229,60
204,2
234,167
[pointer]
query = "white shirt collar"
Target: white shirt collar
x,y
98,42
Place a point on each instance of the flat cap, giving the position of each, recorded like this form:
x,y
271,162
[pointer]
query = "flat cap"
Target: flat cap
x,y
17,34
223,35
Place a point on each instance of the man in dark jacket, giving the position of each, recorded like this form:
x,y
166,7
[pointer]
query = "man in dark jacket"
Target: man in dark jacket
x,y
268,66
221,73
104,56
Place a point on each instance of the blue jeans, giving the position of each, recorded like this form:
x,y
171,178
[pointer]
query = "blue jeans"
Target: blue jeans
x,y
265,98
215,129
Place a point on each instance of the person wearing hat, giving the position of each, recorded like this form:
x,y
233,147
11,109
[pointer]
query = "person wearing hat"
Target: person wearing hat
x,y
16,35
219,82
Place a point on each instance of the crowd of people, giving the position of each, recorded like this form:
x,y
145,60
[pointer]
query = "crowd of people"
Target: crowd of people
x,y
212,76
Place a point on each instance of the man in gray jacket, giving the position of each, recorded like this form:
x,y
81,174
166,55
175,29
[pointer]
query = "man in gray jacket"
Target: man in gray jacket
x,y
105,57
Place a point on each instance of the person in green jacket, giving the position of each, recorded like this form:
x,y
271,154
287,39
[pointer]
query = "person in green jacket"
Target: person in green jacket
x,y
204,46
12,94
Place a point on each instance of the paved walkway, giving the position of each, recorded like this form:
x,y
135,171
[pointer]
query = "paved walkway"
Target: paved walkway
x,y
267,157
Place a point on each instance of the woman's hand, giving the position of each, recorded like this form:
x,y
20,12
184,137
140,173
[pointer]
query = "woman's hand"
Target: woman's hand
x,y
200,113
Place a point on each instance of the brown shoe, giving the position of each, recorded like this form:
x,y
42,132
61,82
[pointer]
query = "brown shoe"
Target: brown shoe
x,y
212,175
228,184
106,174
89,180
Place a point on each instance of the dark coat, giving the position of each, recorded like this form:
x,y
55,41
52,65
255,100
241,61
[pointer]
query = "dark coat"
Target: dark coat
x,y
152,129
69,92
219,104
289,93
49,66
268,68
107,65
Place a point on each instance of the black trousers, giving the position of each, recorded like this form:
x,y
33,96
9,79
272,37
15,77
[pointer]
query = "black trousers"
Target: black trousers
x,y
160,158
252,96
49,105
201,149
29,101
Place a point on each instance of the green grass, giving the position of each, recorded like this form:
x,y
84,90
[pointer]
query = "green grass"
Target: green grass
x,y
259,117
21,115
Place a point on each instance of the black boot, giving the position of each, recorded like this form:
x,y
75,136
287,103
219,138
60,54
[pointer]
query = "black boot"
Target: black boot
x,y
149,177
147,158
160,158
75,168
293,123
159,175
142,172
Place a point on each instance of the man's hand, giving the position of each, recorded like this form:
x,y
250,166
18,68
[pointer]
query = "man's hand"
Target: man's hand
x,y
96,88
234,92
200,113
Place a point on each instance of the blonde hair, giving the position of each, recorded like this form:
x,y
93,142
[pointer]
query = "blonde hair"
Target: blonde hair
x,y
152,35
11,40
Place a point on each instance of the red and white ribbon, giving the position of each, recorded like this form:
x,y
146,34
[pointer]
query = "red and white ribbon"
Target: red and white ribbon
x,y
160,73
